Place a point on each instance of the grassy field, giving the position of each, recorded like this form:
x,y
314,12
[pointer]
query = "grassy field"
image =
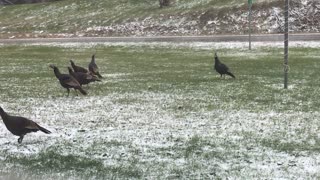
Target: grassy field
x,y
161,112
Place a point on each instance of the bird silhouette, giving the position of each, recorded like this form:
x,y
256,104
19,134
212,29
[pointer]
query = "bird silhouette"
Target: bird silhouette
x,y
83,78
221,68
78,68
93,68
20,126
67,81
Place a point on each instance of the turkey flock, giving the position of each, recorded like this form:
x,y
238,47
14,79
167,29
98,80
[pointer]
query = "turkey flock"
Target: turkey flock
x,y
77,77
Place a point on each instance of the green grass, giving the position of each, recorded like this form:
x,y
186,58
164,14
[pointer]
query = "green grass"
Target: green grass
x,y
162,112
174,71
52,162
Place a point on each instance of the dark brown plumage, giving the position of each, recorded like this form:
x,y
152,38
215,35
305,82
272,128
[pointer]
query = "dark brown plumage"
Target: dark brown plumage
x,y
20,126
67,81
83,78
78,68
221,68
93,68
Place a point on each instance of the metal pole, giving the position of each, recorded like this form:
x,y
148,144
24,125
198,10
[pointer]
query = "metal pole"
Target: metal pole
x,y
250,12
286,44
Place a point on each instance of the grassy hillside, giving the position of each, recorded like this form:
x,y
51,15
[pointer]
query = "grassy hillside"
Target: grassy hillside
x,y
145,18
75,16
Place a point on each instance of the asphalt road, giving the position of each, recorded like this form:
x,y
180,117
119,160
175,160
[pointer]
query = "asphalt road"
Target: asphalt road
x,y
216,38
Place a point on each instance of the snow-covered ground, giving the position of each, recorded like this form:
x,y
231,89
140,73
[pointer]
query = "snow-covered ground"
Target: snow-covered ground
x,y
113,133
169,134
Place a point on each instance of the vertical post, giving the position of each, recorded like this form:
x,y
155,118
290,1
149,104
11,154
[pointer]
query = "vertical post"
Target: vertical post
x,y
286,44
250,12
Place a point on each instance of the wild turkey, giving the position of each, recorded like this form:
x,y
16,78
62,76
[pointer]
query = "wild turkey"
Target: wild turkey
x,y
221,68
67,81
83,78
78,68
93,68
20,126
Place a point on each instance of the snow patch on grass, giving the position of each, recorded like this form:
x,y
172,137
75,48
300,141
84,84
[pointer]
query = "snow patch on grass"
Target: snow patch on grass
x,y
191,126
92,124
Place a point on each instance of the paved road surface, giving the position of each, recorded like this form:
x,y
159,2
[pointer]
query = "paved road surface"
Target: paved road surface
x,y
216,38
